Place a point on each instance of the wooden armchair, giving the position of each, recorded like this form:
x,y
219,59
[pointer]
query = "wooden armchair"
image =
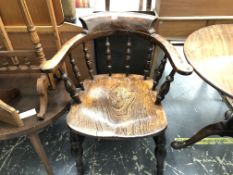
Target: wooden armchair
x,y
27,38
117,105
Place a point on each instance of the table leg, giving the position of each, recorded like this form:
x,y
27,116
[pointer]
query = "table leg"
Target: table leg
x,y
223,128
35,140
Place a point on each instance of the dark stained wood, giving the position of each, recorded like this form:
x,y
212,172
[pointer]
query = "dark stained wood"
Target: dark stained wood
x,y
209,50
88,60
159,72
117,106
76,142
128,56
165,87
178,63
148,62
108,55
119,21
76,70
70,87
160,152
120,105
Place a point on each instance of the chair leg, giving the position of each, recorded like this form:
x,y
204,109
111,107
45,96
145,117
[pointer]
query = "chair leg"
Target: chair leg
x,y
35,140
76,142
160,152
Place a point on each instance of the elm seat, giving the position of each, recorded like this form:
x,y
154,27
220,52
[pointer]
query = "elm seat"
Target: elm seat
x,y
117,106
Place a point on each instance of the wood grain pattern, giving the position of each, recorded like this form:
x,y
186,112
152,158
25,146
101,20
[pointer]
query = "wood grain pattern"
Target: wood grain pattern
x,y
32,30
127,21
178,28
117,106
7,41
209,50
11,14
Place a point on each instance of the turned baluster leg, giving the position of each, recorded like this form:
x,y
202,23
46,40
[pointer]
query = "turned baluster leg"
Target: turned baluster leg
x,y
165,87
76,142
70,87
159,72
160,152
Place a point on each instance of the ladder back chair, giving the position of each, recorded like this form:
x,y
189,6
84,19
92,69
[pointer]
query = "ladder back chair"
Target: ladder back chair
x,y
117,105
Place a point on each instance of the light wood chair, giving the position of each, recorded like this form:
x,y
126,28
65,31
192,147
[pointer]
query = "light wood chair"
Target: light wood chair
x,y
118,105
29,37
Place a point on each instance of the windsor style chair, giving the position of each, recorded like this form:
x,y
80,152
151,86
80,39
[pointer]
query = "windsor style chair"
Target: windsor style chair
x,y
117,105
23,87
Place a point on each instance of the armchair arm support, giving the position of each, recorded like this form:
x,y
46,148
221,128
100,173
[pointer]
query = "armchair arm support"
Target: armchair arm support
x,y
178,63
51,65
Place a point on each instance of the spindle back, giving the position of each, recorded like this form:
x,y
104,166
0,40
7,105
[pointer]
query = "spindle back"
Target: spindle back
x,y
117,58
106,26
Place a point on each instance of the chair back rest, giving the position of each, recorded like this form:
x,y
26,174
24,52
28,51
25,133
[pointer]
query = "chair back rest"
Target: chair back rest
x,y
109,25
118,24
21,48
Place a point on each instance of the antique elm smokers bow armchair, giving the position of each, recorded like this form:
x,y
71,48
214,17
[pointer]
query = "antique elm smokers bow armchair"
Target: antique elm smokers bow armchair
x,y
117,105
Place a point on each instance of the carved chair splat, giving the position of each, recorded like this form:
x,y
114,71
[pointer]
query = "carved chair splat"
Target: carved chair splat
x,y
118,105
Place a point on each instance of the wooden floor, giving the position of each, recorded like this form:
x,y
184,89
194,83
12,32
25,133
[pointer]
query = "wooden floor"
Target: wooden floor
x,y
190,105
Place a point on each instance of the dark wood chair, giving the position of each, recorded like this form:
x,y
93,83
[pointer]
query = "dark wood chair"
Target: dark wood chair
x,y
118,105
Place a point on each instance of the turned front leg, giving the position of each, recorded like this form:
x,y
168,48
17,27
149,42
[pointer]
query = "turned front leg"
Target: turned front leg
x,y
76,142
160,152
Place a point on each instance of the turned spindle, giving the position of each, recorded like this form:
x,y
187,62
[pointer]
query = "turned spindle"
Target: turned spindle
x,y
76,71
128,56
109,57
88,60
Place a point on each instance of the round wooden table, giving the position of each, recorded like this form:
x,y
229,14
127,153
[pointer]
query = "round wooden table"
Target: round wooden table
x,y
210,51
57,105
